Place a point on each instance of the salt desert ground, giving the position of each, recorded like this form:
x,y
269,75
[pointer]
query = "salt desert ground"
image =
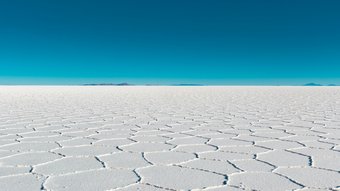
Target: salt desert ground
x,y
169,138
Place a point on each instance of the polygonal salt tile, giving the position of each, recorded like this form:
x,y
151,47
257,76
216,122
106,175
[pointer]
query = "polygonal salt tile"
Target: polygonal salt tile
x,y
15,131
223,188
38,134
299,138
318,144
309,133
79,133
9,137
11,124
123,132
331,135
331,163
221,167
112,126
218,136
264,181
109,135
151,138
21,182
215,127
104,179
68,165
153,132
202,132
272,135
251,138
312,177
140,187
124,160
228,142
175,135
188,141
6,171
50,139
199,132
314,152
224,156
7,142
253,165
27,159
4,153
178,129
30,146
85,125
333,141
284,158
168,157
91,150
76,142
277,144
51,128
301,123
174,177
245,149
309,189
114,142
195,148
102,136
147,147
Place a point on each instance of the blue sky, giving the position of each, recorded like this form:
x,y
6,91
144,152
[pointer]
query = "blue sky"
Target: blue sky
x,y
164,42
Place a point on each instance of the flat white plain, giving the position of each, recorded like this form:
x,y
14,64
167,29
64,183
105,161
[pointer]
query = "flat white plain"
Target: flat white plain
x,y
169,138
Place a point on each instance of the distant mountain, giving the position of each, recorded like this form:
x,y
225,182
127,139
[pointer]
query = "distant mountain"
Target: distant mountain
x,y
187,85
109,84
124,84
312,84
127,84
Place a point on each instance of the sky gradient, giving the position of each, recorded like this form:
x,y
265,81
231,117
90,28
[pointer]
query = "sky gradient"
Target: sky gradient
x,y
229,42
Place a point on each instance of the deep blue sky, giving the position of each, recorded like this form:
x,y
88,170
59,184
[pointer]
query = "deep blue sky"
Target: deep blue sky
x,y
170,41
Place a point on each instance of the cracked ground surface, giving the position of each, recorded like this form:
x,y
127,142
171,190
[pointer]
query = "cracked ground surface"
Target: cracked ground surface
x,y
169,138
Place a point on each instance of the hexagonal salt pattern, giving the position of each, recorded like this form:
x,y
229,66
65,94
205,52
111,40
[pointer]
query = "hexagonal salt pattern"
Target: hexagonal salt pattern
x,y
169,138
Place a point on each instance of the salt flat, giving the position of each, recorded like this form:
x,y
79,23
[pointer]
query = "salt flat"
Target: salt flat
x,y
169,138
